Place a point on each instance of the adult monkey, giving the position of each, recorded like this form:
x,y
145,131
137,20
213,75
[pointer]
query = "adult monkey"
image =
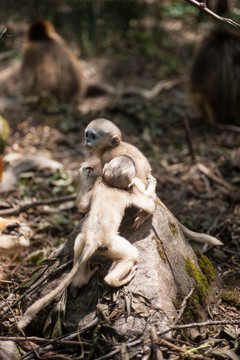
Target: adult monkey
x,y
214,81
99,233
49,65
104,138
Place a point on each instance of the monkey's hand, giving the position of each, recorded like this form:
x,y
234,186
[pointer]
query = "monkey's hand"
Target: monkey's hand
x,y
151,188
85,170
140,219
86,180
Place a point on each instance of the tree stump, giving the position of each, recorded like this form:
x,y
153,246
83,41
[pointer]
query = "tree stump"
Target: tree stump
x,y
168,268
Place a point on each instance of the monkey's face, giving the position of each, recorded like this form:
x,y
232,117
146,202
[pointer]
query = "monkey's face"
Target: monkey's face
x,y
96,141
91,140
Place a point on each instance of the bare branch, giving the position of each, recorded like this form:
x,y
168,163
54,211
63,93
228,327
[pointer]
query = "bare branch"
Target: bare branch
x,y
35,203
202,6
200,324
3,33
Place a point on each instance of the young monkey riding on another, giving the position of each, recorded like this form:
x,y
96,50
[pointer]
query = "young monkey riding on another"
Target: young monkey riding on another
x,y
99,233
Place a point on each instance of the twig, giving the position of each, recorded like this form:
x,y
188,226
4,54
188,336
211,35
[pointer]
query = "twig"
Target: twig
x,y
202,6
38,340
189,137
35,203
174,347
9,298
3,32
183,307
233,128
214,224
134,90
201,324
212,176
156,350
150,94
182,350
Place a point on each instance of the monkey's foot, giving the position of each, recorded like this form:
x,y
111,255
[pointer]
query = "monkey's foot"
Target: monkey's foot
x,y
140,219
111,280
83,276
132,273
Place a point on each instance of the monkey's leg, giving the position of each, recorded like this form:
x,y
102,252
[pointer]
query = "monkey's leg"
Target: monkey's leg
x,y
125,255
145,201
83,202
84,273
78,246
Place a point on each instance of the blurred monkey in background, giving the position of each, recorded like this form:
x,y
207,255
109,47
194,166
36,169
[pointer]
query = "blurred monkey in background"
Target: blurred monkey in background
x,y
48,65
215,77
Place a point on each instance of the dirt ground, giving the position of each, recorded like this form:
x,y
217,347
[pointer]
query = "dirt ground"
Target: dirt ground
x,y
199,183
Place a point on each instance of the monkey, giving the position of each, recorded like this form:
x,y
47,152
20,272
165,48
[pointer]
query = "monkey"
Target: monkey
x,y
214,82
104,138
48,65
99,234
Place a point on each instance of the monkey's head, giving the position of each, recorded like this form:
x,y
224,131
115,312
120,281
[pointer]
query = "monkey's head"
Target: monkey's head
x,y
40,30
101,134
120,172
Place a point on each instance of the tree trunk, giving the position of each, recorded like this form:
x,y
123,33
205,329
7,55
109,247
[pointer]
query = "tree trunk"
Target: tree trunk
x,y
168,268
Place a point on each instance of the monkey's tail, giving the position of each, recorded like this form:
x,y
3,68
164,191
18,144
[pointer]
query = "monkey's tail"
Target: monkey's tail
x,y
199,237
47,299
192,235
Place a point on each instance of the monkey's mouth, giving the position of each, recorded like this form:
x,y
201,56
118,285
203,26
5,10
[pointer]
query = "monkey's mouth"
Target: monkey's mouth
x,y
88,146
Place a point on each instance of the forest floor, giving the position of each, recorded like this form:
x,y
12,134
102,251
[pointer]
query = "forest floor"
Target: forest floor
x,y
199,183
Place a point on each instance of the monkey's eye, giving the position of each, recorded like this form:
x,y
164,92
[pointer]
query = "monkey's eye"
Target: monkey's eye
x,y
91,135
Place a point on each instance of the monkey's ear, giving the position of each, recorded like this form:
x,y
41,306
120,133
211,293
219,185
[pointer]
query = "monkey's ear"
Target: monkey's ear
x,y
115,140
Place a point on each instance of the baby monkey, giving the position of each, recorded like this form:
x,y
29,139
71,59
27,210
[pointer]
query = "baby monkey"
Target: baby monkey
x,y
99,234
104,138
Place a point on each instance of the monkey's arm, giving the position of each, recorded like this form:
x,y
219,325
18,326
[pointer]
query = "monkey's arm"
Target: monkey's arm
x,y
86,180
83,202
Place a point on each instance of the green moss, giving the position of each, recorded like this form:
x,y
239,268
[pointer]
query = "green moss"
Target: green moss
x,y
202,288
192,312
231,296
159,247
206,267
173,228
